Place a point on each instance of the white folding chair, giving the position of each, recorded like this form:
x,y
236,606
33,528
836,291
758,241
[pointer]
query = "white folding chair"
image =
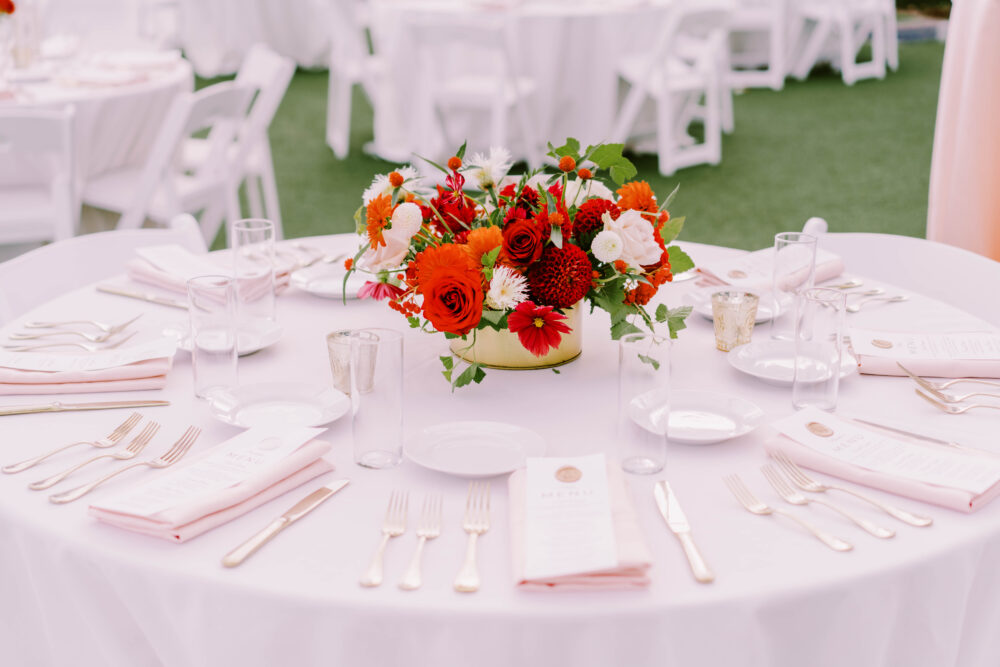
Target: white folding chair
x,y
684,85
45,208
759,44
483,86
42,274
250,157
351,62
162,189
840,28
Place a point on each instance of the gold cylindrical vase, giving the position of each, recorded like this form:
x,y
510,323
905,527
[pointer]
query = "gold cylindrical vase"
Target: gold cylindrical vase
x,y
502,349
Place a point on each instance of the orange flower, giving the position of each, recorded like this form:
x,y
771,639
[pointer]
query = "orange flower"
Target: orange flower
x,y
567,163
395,179
481,241
637,196
585,174
432,261
348,263
377,216
454,163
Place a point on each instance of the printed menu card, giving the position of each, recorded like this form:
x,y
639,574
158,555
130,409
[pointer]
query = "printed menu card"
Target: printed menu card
x,y
955,354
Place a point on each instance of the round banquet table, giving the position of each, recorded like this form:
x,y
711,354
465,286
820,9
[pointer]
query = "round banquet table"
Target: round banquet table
x,y
79,592
119,109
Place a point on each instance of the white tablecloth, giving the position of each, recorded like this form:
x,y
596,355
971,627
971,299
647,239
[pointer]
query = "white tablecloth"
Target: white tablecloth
x,y
82,593
216,34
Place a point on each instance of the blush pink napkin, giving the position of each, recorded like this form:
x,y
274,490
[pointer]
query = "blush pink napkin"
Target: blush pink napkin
x,y
142,271
938,368
827,270
183,522
148,374
956,499
634,558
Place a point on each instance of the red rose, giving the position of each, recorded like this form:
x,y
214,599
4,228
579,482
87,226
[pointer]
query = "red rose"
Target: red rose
x,y
6,7
523,241
457,211
453,300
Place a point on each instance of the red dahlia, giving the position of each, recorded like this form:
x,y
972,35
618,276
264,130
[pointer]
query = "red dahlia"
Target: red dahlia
x,y
561,277
588,218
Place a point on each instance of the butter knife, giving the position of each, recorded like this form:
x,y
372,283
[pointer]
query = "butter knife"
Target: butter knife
x,y
142,296
927,438
678,524
299,510
68,407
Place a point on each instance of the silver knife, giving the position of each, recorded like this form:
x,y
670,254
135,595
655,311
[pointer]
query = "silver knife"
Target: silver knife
x,y
927,438
68,407
672,513
142,296
299,510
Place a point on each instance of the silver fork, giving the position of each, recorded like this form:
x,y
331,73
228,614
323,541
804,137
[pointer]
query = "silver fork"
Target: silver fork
x,y
120,432
475,523
428,528
170,457
940,386
754,506
102,326
138,443
84,346
792,495
393,525
953,409
807,483
92,337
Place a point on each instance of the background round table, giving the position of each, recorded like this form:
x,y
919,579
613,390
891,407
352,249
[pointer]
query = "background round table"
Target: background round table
x,y
79,592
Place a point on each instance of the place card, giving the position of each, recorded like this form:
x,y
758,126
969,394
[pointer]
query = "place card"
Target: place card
x,y
234,461
755,270
180,262
901,346
568,524
161,348
874,450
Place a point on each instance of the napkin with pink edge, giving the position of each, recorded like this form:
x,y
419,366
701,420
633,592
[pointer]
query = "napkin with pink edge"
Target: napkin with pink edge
x,y
954,354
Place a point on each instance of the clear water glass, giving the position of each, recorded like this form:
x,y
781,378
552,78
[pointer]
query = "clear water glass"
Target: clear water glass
x,y
794,272
252,242
819,348
643,402
212,308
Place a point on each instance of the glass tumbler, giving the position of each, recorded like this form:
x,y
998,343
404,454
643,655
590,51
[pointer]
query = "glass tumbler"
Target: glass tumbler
x,y
212,308
252,243
733,314
818,348
643,402
794,271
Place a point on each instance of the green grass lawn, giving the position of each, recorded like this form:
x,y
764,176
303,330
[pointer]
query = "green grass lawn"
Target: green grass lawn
x,y
858,156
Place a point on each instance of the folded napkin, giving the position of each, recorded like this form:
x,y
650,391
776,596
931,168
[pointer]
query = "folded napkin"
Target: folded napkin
x,y
203,512
170,267
755,271
634,558
944,355
147,374
902,484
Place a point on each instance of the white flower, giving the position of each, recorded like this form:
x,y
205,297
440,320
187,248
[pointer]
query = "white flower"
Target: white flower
x,y
489,171
639,246
579,191
507,289
406,221
607,246
381,186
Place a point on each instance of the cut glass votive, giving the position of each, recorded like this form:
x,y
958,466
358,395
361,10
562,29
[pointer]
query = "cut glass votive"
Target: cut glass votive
x,y
734,314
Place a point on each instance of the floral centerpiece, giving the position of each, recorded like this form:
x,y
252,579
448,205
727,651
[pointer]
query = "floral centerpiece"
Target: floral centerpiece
x,y
513,259
6,7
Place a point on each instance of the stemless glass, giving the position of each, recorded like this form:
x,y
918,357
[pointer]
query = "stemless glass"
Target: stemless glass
x,y
643,402
252,243
818,348
212,308
733,316
794,271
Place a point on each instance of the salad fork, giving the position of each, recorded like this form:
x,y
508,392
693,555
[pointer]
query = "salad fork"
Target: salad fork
x,y
807,483
167,459
953,409
940,386
754,506
91,337
84,346
792,495
103,326
428,528
110,441
475,523
130,452
393,525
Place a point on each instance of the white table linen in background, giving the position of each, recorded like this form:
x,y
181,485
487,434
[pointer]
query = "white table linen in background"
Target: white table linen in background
x,y
216,34
78,592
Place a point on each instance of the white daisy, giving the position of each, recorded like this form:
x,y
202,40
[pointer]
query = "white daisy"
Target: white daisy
x,y
607,246
381,186
507,289
489,171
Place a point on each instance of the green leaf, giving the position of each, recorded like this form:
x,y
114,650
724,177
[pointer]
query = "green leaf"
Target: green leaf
x,y
650,360
494,319
675,319
461,151
571,148
661,313
679,260
555,235
450,336
670,197
414,321
489,259
621,173
474,373
607,155
623,327
671,229
556,371
432,163
447,361
360,220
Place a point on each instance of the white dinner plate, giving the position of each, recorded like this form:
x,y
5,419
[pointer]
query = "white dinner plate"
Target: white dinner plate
x,y
701,300
702,417
278,403
773,361
474,448
327,281
247,342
